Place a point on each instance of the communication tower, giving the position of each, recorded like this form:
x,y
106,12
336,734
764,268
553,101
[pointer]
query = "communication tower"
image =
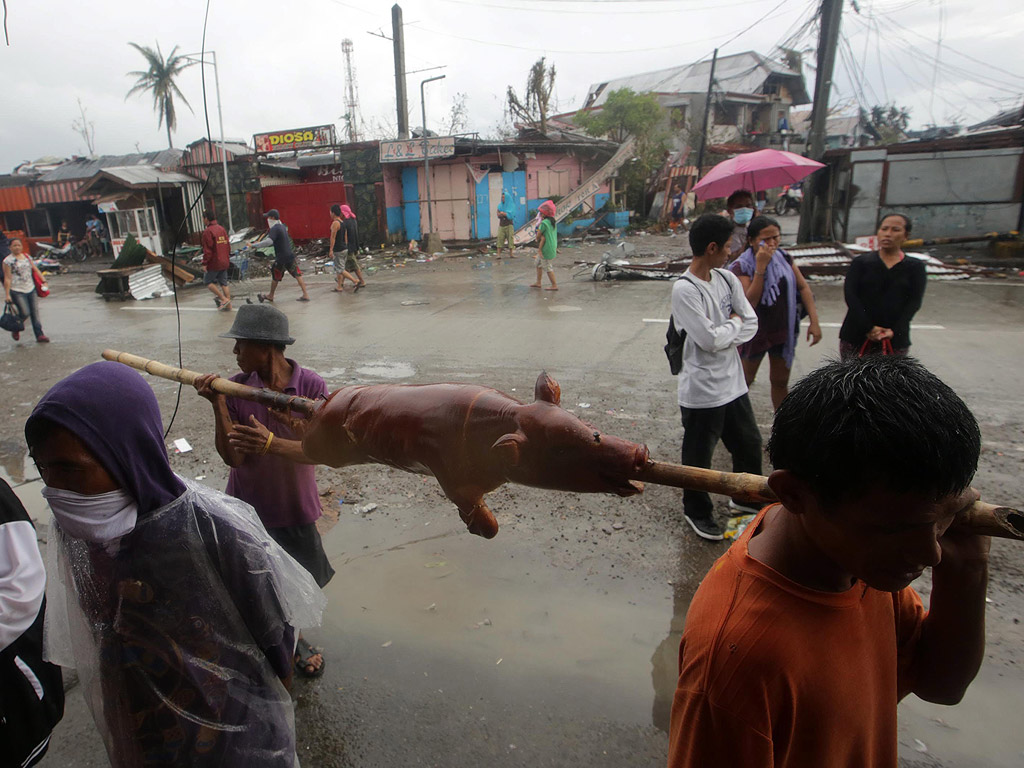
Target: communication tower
x,y
351,92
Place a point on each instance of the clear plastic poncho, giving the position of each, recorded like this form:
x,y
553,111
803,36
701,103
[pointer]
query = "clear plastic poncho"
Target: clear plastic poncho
x,y
181,632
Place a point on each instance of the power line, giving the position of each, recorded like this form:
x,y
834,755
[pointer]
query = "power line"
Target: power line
x,y
590,11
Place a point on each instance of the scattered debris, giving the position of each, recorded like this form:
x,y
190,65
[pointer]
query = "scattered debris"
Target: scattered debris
x,y
386,645
920,746
364,509
181,445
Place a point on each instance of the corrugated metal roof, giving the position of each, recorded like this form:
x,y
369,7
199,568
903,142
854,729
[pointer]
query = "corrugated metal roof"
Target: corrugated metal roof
x,y
87,167
148,283
143,175
14,199
739,73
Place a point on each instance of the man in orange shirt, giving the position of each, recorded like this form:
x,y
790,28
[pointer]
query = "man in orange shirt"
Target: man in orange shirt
x,y
216,261
805,634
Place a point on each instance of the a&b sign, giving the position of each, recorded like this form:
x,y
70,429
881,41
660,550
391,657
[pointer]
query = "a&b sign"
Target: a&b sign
x,y
412,150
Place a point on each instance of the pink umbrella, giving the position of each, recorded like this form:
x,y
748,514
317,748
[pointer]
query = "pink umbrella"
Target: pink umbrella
x,y
764,169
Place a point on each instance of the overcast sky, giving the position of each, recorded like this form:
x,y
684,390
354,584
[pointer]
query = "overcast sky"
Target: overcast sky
x,y
281,63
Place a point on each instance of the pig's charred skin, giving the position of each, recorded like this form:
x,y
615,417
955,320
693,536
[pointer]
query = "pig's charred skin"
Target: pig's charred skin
x,y
473,439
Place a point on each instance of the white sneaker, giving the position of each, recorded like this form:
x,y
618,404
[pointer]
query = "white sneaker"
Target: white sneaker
x,y
745,509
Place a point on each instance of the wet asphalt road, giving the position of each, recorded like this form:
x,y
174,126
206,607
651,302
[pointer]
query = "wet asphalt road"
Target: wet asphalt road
x,y
553,644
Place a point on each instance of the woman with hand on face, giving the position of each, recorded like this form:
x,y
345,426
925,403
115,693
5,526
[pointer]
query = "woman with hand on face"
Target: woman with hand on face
x,y
884,290
777,290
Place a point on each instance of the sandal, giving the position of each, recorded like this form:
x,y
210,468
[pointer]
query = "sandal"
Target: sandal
x,y
303,298
264,297
358,286
303,653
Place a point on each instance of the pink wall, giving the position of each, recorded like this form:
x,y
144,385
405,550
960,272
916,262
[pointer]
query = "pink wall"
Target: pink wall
x,y
574,169
392,184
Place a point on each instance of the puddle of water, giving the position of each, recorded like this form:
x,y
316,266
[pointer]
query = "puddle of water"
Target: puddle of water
x,y
983,731
499,608
20,473
384,370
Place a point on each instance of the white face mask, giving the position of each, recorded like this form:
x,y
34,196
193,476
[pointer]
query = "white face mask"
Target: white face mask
x,y
100,518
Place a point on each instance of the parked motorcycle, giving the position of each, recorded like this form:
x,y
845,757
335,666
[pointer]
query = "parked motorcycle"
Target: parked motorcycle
x,y
73,251
789,200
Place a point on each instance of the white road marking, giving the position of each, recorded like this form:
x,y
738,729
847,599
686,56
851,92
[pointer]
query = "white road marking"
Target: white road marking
x,y
171,309
914,326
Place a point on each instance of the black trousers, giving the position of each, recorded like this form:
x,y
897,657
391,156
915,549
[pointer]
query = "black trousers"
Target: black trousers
x,y
303,543
735,425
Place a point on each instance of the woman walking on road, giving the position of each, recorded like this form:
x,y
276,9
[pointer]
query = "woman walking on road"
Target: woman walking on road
x,y
884,290
20,288
777,290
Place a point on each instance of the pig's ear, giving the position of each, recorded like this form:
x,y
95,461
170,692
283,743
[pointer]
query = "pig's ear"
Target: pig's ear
x,y
547,389
507,447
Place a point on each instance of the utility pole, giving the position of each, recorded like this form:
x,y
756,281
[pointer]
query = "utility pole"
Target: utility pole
x,y
200,58
707,112
426,152
813,206
401,97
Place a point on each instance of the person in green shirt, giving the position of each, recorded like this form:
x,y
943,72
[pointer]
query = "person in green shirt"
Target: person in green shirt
x,y
547,245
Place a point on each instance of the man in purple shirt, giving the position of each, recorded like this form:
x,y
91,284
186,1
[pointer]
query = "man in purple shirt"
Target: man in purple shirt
x,y
268,469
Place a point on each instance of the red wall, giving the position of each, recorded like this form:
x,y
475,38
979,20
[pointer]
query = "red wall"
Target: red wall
x,y
305,208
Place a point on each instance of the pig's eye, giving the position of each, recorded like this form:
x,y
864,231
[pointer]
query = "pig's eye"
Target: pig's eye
x,y
597,437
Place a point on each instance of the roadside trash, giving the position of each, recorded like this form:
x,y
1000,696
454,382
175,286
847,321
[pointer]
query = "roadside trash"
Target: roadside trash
x,y
583,405
364,509
484,623
737,525
386,645
181,445
340,502
431,607
920,746
414,302
200,477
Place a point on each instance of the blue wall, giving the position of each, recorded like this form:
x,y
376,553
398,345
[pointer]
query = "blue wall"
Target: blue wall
x,y
396,223
482,222
515,182
600,199
411,202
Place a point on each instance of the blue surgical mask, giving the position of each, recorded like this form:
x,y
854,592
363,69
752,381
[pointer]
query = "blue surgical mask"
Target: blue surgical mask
x,y
743,215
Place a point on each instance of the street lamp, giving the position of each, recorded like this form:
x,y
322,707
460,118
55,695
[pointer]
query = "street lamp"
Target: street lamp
x,y
196,57
426,159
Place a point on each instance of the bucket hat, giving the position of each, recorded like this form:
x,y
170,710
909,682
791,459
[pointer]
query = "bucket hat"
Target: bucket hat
x,y
260,322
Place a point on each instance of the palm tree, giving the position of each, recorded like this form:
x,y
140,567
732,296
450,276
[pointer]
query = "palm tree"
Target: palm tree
x,y
159,80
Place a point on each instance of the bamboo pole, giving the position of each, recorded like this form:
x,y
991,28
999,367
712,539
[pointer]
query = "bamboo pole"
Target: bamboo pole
x,y
267,397
981,518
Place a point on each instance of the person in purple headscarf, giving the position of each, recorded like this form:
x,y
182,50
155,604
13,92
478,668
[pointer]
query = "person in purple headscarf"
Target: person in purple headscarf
x,y
780,295
177,608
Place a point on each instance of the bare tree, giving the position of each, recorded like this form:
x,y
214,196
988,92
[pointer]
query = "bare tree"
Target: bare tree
x,y
381,128
86,129
533,108
458,116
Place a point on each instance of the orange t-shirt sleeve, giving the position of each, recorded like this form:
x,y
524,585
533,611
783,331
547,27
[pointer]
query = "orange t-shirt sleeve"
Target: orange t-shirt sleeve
x,y
702,734
910,615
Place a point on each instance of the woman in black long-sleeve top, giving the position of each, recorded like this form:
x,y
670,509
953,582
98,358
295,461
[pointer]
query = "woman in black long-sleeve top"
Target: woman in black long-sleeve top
x,y
884,290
